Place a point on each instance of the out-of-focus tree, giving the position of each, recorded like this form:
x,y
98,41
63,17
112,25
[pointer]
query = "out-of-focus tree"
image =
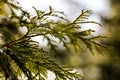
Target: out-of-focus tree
x,y
111,22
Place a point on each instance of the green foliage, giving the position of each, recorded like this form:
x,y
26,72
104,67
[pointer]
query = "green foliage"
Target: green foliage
x,y
24,57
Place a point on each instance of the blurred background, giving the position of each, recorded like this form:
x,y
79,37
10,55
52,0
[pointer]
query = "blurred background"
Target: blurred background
x,y
106,12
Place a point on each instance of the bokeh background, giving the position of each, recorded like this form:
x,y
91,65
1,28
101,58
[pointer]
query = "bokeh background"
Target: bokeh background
x,y
106,12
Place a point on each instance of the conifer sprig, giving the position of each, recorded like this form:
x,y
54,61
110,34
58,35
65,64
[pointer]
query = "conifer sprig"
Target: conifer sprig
x,y
23,56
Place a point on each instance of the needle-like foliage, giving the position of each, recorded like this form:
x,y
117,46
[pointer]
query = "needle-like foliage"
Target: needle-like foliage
x,y
23,56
